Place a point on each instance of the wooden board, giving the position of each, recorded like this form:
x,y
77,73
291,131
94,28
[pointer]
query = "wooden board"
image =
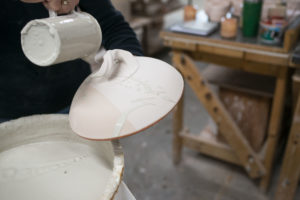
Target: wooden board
x,y
274,126
237,63
209,146
290,171
177,129
292,35
268,59
247,97
296,87
167,35
239,80
221,51
250,112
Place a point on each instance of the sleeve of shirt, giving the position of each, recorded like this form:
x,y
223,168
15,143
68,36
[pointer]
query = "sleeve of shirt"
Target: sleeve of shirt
x,y
116,32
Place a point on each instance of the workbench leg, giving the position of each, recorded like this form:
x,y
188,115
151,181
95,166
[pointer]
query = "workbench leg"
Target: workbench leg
x,y
290,171
274,126
177,129
227,126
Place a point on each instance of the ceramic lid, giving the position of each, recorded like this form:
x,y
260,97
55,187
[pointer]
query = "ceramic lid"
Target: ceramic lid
x,y
127,95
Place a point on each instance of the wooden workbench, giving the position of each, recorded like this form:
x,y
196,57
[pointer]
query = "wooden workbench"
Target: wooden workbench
x,y
243,54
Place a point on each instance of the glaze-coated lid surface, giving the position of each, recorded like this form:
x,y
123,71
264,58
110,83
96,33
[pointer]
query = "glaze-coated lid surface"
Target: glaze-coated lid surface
x,y
127,95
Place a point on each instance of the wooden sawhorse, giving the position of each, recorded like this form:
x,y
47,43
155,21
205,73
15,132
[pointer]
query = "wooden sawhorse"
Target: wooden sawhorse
x,y
248,56
238,150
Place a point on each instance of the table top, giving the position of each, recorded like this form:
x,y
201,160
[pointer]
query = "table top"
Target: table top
x,y
244,40
240,48
237,43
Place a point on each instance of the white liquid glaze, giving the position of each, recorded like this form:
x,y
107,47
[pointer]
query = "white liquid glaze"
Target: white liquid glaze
x,y
41,43
51,168
47,161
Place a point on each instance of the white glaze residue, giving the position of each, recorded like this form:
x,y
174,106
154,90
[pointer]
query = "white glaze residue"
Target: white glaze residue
x,y
127,95
40,43
127,75
41,158
56,170
61,38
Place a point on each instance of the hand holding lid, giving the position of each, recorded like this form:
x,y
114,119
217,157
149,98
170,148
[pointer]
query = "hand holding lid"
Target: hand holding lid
x,y
127,95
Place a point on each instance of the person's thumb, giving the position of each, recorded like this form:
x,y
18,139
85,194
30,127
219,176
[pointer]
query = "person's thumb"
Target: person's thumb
x,y
54,5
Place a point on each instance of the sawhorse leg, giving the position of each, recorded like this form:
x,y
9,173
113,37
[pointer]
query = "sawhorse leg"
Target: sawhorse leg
x,y
290,171
177,129
274,126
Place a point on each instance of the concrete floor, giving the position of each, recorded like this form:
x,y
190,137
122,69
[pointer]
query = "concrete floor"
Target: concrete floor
x,y
151,175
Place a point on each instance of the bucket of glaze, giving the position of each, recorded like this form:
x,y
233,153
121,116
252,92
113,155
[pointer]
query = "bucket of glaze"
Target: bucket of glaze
x,y
61,38
41,158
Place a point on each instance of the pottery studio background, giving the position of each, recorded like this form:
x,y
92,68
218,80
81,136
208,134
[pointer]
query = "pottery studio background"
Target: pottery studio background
x,y
171,167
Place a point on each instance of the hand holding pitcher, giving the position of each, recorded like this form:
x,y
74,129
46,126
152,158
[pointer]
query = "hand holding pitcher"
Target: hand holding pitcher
x,y
59,6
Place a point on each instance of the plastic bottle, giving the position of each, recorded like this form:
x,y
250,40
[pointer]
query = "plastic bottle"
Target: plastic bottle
x,y
251,17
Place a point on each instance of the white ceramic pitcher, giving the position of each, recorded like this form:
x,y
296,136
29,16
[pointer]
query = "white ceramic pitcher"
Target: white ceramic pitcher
x,y
61,38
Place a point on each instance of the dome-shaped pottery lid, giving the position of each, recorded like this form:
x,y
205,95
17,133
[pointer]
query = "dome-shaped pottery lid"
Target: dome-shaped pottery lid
x,y
127,95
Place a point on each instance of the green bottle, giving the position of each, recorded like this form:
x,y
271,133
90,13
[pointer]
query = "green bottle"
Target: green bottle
x,y
251,17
